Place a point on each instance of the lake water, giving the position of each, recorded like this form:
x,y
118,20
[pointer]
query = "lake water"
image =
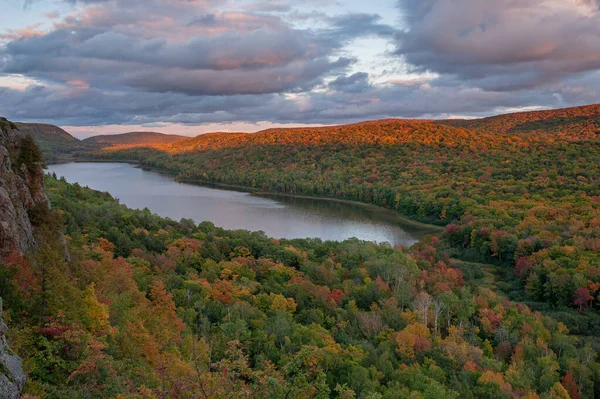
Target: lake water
x,y
277,216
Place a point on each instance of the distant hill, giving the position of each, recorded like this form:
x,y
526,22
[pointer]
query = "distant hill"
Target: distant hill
x,y
572,123
57,144
52,140
44,131
386,131
576,123
135,139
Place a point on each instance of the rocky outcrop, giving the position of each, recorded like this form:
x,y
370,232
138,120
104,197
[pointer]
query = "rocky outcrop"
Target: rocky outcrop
x,y
12,377
21,191
21,196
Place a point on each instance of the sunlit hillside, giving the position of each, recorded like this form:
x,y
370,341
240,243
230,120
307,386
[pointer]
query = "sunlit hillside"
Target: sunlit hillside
x,y
385,132
569,123
134,139
528,202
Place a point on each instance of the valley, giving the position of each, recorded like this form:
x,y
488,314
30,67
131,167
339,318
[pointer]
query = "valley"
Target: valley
x,y
277,216
499,302
315,199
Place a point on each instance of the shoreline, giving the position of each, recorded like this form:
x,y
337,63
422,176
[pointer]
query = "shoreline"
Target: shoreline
x,y
404,219
258,192
426,229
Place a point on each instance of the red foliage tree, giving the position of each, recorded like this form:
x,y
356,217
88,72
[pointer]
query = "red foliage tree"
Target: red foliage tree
x,y
581,298
336,295
523,266
568,382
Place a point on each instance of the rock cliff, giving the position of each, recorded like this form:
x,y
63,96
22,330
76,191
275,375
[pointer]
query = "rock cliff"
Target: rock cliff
x,y
12,377
22,195
21,188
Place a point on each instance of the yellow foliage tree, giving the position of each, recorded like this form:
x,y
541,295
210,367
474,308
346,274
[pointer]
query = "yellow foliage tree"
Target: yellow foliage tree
x,y
412,340
94,314
558,392
282,303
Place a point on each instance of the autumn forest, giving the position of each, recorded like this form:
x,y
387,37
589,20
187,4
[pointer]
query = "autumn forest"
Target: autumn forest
x,y
503,303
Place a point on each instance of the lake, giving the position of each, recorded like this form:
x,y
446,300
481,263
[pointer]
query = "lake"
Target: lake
x,y
277,216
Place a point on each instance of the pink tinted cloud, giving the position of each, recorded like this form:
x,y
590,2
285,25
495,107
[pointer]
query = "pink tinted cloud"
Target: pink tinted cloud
x,y
78,83
52,15
504,31
501,45
26,33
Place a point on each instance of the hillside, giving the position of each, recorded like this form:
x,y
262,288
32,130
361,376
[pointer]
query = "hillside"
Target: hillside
x,y
146,307
134,139
571,123
40,130
576,123
52,140
524,199
382,132
56,144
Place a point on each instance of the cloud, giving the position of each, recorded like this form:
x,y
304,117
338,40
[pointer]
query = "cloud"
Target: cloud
x,y
185,46
78,105
350,26
355,83
502,45
193,62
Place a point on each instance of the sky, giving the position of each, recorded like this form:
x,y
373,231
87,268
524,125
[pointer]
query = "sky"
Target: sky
x,y
195,66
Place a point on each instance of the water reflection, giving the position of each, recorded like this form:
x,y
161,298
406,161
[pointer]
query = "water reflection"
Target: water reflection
x,y
277,216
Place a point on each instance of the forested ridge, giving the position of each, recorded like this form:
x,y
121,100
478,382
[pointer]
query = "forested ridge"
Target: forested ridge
x,y
524,198
52,140
133,139
571,123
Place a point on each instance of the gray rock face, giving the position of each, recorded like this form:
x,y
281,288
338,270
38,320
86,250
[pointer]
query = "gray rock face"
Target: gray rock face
x,y
20,191
12,377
